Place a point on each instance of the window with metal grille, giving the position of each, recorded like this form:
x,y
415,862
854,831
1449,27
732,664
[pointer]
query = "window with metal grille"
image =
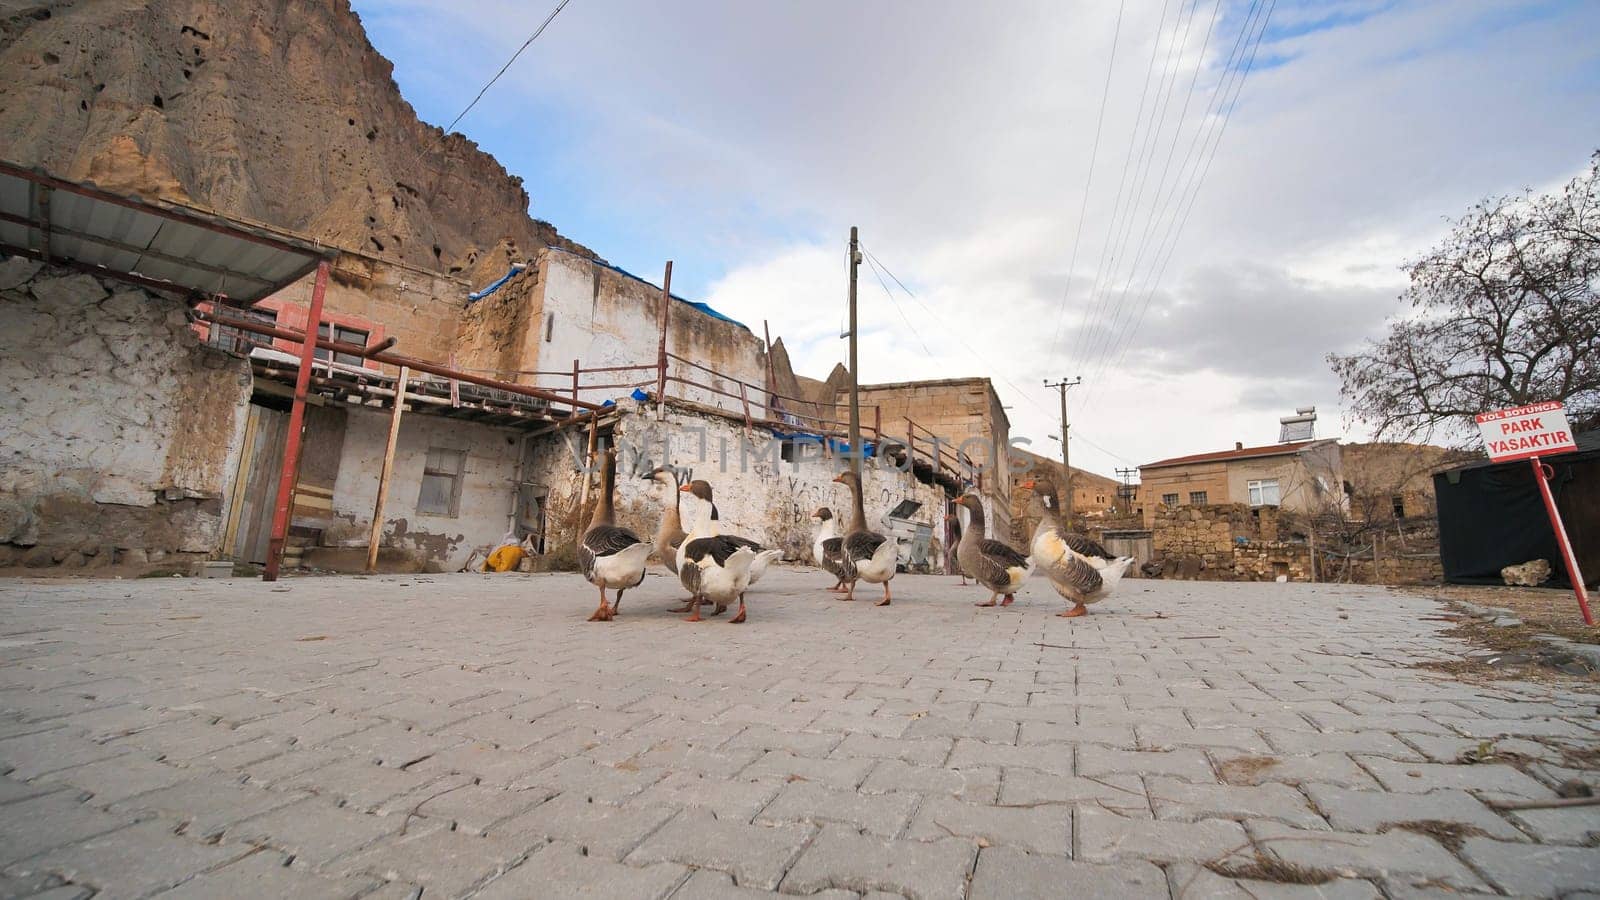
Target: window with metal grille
x,y
345,335
441,482
1264,492
1197,498
1169,500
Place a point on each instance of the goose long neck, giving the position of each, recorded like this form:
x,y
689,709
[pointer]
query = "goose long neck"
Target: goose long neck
x,y
976,529
1052,507
603,513
858,511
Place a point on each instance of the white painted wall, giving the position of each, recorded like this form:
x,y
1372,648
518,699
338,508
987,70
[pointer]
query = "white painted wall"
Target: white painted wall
x,y
619,327
486,492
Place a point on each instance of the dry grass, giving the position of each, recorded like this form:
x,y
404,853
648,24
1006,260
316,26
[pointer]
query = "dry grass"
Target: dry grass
x,y
1450,834
1267,868
1244,769
1550,610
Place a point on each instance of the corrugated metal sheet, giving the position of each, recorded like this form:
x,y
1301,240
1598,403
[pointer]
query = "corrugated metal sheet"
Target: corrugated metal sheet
x,y
183,247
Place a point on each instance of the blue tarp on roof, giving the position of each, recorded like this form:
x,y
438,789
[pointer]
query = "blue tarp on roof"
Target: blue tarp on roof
x,y
500,282
837,445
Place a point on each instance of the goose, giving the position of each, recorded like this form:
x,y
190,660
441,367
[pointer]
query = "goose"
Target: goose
x,y
713,566
1079,568
996,565
610,556
669,534
827,550
955,541
873,557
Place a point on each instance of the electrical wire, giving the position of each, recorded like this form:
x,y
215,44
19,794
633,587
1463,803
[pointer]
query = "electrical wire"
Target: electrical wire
x,y
1083,208
535,36
896,304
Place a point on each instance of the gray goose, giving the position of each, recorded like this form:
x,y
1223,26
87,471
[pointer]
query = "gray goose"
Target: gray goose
x,y
669,533
713,566
996,565
873,558
828,549
1079,568
609,555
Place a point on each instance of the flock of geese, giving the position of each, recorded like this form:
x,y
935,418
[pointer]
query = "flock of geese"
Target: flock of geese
x,y
718,568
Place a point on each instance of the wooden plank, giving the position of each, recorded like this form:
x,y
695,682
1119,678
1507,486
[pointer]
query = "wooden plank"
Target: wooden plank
x,y
376,535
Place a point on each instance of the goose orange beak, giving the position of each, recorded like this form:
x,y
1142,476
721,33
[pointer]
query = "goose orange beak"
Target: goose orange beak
x,y
1028,485
684,489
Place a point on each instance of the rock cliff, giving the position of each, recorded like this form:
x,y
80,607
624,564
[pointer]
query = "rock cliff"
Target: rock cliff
x,y
274,111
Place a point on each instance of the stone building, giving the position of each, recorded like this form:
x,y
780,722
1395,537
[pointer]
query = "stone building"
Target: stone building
x,y
1392,480
1303,476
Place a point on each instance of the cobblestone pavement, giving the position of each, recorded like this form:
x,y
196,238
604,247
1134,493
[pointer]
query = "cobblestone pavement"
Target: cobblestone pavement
x,y
454,735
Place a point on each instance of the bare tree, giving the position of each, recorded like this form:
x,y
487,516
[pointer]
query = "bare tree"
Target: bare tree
x,y
1504,312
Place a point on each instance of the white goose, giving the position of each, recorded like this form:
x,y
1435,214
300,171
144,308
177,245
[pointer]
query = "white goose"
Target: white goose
x,y
1079,568
713,566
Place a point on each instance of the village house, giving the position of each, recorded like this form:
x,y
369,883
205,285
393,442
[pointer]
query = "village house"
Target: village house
x,y
506,393
1300,476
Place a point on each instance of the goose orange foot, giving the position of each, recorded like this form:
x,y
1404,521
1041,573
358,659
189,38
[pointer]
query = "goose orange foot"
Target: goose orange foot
x,y
738,618
989,602
1010,598
1075,612
885,600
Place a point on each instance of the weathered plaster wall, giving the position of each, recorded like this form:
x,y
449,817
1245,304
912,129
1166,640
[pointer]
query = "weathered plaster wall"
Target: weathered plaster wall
x,y
487,487
770,502
118,427
606,318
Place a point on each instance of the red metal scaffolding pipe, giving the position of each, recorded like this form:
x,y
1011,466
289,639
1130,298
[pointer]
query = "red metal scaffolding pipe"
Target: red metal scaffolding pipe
x,y
297,417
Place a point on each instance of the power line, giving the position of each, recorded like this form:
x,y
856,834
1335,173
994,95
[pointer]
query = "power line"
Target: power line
x,y
1181,221
896,304
1083,208
1197,148
542,26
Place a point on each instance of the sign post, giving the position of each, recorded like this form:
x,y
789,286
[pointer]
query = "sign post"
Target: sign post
x,y
1529,432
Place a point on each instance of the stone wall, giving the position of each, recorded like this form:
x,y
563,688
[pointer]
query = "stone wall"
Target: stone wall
x,y
119,427
1226,542
770,501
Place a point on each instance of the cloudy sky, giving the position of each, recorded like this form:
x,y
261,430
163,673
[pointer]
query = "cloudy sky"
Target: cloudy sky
x,y
1262,171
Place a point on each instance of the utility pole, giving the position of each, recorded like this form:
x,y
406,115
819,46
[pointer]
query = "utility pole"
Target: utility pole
x,y
1066,466
855,382
1125,493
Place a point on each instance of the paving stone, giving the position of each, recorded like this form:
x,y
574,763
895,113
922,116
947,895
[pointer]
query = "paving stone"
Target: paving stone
x,y
603,830
1536,870
1043,829
1372,811
391,745
799,743
755,855
119,778
1488,778
1118,736
880,814
1324,768
1398,855
12,790
686,758
32,826
990,730
31,755
706,884
1180,800
1053,758
1193,882
841,857
472,808
922,751
268,874
1190,765
1123,793
360,784
443,863
46,887
562,870
1163,737
604,784
975,784
486,762
1005,873
132,862
1107,837
205,806
181,741
1375,743
844,774
727,798
1572,825
315,831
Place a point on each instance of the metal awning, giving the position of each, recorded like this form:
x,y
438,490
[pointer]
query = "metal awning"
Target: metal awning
x,y
166,247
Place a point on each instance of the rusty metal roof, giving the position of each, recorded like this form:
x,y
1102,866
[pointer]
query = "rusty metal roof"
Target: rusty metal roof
x,y
162,246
